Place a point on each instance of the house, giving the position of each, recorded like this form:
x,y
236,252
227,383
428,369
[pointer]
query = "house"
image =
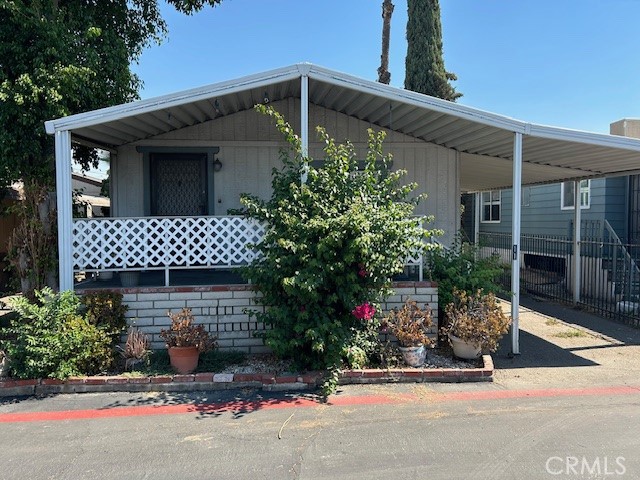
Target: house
x,y
549,209
180,162
609,216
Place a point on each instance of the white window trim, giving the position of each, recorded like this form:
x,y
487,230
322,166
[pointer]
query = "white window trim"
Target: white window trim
x,y
582,207
482,204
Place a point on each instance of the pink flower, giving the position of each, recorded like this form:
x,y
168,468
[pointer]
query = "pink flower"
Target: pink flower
x,y
366,311
362,272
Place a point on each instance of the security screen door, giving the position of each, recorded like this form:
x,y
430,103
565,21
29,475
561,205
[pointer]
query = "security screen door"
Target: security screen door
x,y
179,184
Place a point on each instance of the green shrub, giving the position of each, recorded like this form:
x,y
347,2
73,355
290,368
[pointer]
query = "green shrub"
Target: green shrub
x,y
459,267
332,244
49,338
106,311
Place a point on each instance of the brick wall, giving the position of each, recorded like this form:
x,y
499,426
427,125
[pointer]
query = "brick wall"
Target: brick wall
x,y
221,309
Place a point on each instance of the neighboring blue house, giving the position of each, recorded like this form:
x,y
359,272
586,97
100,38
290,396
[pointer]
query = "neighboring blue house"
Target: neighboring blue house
x,y
610,232
549,209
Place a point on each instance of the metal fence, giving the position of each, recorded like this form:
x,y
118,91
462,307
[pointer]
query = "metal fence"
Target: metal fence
x,y
609,271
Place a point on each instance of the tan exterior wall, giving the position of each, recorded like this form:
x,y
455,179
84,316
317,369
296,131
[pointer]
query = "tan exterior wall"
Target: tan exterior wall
x,y
626,128
250,147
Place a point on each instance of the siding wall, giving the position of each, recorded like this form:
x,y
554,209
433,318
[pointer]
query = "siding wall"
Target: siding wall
x,y
250,147
544,214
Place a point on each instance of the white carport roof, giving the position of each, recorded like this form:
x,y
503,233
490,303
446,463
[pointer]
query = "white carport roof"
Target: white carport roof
x,y
484,139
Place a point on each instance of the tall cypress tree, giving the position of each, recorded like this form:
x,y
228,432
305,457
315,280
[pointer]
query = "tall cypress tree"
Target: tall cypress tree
x,y
425,72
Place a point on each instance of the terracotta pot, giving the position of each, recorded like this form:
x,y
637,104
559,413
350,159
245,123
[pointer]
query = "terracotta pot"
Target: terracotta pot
x,y
463,349
184,359
414,356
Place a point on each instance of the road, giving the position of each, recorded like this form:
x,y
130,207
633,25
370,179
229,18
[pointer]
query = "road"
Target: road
x,y
440,431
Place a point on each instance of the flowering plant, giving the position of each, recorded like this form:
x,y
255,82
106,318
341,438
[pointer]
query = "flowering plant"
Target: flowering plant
x,y
409,324
365,311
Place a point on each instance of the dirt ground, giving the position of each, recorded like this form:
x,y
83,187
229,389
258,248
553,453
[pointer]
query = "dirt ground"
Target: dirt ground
x,y
568,348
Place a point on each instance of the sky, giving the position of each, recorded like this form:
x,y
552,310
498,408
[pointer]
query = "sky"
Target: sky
x,y
566,63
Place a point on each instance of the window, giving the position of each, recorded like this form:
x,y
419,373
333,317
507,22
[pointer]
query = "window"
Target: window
x,y
525,197
491,206
567,195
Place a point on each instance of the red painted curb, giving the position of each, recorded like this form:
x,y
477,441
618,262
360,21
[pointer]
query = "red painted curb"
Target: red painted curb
x,y
334,400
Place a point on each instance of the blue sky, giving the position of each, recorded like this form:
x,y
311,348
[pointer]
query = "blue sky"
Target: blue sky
x,y
568,63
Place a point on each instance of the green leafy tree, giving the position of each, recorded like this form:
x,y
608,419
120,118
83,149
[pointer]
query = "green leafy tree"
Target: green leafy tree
x,y
425,71
331,247
60,57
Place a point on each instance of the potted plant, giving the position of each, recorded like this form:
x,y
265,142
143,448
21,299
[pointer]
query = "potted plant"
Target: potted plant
x,y
475,322
410,325
136,349
185,341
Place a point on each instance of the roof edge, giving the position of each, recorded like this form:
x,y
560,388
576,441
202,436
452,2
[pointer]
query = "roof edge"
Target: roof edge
x,y
124,110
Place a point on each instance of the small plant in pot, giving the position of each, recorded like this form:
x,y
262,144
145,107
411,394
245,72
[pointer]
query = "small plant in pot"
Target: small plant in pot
x,y
475,323
185,341
410,325
136,349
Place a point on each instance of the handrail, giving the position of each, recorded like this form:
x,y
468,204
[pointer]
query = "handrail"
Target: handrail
x,y
617,240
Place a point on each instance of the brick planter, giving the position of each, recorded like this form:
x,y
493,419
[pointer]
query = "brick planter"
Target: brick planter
x,y
223,381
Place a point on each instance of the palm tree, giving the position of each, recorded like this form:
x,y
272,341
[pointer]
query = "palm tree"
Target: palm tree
x,y
384,76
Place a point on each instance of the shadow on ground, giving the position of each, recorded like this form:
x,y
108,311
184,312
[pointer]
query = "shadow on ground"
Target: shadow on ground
x,y
536,352
215,404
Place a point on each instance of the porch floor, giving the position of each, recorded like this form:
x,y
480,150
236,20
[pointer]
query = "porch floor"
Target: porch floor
x,y
191,278
177,278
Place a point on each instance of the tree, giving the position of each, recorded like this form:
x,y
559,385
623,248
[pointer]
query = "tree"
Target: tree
x,y
425,71
384,76
60,57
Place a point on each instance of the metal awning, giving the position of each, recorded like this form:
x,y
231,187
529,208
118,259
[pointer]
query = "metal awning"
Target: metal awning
x,y
495,151
485,139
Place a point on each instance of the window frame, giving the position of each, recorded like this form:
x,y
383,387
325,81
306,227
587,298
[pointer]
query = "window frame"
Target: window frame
x,y
587,190
491,203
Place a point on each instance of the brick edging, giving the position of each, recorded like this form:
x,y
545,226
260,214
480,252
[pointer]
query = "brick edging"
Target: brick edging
x,y
226,381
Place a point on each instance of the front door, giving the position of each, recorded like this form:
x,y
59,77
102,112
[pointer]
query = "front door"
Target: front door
x,y
179,184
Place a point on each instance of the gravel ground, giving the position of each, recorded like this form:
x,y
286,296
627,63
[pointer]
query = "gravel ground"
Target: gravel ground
x,y
436,358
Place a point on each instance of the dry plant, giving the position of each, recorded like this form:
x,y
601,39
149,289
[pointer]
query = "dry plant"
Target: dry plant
x,y
183,333
409,325
136,348
476,318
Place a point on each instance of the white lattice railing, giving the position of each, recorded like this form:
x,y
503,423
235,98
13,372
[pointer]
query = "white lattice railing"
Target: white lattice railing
x,y
158,243
168,243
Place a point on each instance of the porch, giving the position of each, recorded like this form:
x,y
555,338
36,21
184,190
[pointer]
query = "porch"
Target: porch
x,y
172,251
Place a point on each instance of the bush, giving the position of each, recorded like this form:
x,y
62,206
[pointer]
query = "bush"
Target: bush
x,y
332,244
106,311
459,268
49,338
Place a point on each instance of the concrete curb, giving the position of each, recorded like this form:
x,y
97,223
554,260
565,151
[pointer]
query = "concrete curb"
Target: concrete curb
x,y
267,381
